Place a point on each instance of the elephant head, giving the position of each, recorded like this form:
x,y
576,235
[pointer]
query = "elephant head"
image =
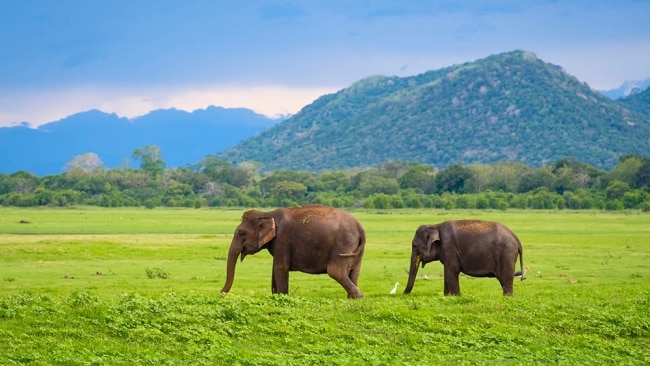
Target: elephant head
x,y
253,233
425,248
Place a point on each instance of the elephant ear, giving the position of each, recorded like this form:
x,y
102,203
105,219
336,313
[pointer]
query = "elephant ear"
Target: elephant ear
x,y
432,236
265,231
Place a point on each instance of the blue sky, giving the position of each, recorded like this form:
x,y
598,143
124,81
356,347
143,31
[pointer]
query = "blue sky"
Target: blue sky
x,y
130,57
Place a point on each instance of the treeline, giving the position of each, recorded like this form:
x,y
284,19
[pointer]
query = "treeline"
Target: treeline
x,y
213,182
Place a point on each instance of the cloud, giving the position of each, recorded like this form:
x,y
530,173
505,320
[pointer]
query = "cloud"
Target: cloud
x,y
269,100
67,56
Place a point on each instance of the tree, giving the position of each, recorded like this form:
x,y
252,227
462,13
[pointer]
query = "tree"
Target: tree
x,y
370,184
289,191
505,176
222,171
616,189
337,181
479,178
642,177
452,179
87,163
626,170
393,169
150,159
177,194
306,179
419,177
534,179
23,182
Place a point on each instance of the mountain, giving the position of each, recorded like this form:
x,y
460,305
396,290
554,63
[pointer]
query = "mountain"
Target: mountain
x,y
627,88
183,137
506,107
638,101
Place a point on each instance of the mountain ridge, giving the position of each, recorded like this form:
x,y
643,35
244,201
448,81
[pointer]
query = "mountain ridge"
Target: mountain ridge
x,y
626,88
183,137
461,113
505,107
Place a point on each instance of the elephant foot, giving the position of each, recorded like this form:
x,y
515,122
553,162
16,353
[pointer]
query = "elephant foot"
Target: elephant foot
x,y
355,296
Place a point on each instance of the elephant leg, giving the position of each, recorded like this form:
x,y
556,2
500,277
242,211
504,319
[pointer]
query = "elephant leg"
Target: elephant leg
x,y
506,275
506,285
452,286
274,286
354,276
342,275
354,272
280,280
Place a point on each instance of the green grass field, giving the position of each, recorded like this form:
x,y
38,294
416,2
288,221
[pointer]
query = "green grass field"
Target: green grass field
x,y
91,286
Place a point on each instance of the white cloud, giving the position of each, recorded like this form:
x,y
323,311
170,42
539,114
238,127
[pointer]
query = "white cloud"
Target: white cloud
x,y
268,100
42,107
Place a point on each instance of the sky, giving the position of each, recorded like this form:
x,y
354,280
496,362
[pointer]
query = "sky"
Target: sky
x,y
129,57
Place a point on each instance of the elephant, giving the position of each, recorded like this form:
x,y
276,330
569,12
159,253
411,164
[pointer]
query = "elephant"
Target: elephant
x,y
474,247
313,239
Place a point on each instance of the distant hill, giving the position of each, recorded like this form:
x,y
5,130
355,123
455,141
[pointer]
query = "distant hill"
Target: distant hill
x,y
638,101
627,88
506,107
183,137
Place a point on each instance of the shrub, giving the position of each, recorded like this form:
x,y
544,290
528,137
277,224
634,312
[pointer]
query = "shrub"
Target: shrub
x,y
156,273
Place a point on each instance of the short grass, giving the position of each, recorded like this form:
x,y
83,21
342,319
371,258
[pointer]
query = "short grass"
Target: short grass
x,y
90,286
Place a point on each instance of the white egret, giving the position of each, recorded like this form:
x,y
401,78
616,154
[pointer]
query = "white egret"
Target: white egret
x,y
394,290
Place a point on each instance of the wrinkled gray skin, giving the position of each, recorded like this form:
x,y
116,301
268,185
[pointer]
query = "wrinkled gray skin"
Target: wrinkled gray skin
x,y
312,239
473,247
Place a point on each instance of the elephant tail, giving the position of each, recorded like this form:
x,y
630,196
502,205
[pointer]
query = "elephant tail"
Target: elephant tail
x,y
359,251
523,270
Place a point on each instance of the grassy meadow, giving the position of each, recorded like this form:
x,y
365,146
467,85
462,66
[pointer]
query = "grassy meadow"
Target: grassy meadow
x,y
91,286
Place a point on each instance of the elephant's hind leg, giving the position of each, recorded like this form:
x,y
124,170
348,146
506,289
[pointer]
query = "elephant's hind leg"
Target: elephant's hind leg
x,y
356,270
506,285
342,275
354,274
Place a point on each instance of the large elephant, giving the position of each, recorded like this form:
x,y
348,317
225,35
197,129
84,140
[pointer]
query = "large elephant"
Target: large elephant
x,y
476,248
312,239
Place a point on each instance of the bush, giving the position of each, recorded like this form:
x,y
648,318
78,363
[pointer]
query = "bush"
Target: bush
x,y
153,273
645,206
614,205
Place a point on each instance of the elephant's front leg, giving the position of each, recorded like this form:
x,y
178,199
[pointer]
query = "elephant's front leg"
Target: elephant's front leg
x,y
280,279
274,287
452,286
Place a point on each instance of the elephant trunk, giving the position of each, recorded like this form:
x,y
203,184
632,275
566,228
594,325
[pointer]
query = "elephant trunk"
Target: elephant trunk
x,y
413,272
230,267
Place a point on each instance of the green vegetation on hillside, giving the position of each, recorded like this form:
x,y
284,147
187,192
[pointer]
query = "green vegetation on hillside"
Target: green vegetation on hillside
x,y
507,107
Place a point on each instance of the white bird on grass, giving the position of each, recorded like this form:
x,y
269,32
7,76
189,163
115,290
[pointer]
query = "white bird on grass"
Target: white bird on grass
x,y
394,290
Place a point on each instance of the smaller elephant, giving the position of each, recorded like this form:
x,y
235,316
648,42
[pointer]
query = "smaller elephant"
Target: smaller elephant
x,y
312,239
474,247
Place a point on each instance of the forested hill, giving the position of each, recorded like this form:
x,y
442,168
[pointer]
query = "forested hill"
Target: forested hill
x,y
506,107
